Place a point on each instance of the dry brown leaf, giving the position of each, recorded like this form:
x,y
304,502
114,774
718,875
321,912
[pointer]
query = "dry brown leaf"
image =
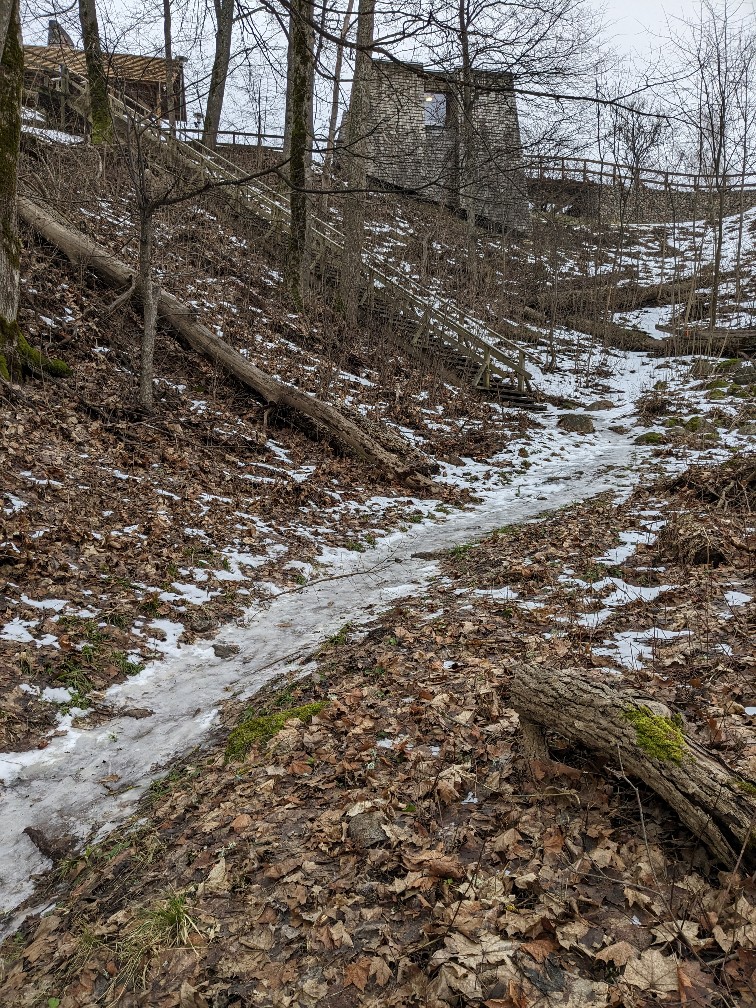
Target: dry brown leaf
x,y
357,973
652,971
620,953
381,971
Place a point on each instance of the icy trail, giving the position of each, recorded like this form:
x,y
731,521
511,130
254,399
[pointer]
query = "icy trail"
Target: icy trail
x,y
59,789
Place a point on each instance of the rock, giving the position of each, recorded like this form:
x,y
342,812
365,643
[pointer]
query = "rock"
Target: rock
x,y
600,404
54,848
366,829
225,650
745,375
576,423
651,438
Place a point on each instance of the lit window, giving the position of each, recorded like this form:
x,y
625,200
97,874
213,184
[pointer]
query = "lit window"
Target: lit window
x,y
435,109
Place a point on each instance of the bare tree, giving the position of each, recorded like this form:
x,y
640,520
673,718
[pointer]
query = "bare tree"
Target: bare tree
x,y
16,354
636,134
298,144
718,51
335,95
224,26
356,163
169,74
97,77
11,84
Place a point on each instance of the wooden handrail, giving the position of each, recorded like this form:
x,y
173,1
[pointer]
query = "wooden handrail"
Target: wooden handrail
x,y
454,327
588,169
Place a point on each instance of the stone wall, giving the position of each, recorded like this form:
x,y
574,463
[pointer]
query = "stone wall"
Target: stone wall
x,y
406,153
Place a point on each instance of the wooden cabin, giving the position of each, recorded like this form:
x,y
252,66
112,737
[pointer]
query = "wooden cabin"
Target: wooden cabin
x,y
141,78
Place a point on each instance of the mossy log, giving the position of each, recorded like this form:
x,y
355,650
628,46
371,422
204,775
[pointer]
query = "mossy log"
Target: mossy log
x,y
641,738
326,419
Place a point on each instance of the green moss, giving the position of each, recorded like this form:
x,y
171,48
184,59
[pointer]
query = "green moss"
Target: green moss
x,y
673,422
38,362
717,394
695,424
258,729
20,356
747,787
658,737
651,438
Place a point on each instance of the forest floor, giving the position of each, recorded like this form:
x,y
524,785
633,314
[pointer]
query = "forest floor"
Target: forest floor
x,y
370,833
365,830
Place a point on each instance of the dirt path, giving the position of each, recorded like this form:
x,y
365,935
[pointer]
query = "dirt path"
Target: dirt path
x,y
85,779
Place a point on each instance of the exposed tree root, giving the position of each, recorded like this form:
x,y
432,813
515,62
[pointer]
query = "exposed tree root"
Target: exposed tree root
x,y
17,356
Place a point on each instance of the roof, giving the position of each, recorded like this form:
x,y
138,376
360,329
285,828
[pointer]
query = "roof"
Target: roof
x,y
121,66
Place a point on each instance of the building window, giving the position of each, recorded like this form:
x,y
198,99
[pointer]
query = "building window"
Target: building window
x,y
435,109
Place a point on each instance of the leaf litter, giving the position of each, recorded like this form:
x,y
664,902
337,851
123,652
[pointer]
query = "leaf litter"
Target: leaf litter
x,y
388,843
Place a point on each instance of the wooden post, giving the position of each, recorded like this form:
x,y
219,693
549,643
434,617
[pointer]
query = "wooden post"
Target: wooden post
x,y
65,90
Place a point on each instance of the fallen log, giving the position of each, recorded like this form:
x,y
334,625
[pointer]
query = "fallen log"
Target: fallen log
x,y
325,418
641,738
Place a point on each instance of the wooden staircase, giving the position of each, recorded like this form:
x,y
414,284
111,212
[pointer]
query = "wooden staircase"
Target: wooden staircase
x,y
466,351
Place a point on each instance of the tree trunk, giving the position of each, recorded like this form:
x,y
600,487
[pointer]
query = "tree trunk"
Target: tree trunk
x,y
11,84
718,242
640,737
355,160
149,305
169,74
298,127
224,17
467,155
399,463
7,11
334,113
99,105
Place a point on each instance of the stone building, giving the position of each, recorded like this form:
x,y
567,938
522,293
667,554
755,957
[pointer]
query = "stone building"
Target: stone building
x,y
417,136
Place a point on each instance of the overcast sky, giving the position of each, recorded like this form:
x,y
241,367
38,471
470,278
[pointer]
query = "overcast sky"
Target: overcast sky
x,y
638,27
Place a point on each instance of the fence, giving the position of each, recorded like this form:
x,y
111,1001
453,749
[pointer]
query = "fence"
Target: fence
x,y
585,170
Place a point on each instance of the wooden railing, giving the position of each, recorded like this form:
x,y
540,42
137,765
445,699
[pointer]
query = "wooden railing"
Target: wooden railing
x,y
567,169
429,316
234,138
544,168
